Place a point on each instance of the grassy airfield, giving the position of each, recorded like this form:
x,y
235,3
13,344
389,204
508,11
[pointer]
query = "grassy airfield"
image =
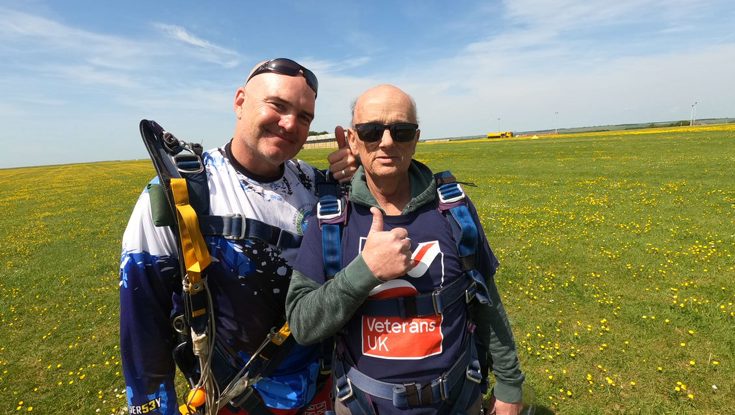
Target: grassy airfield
x,y
617,269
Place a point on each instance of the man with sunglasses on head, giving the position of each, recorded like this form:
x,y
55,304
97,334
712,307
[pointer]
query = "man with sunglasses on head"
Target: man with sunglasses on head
x,y
412,301
255,177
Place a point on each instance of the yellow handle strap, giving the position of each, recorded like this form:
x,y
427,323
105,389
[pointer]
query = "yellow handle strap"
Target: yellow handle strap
x,y
194,249
282,334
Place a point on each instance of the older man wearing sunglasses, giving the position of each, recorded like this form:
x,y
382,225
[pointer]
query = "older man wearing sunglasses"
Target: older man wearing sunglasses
x,y
414,306
254,177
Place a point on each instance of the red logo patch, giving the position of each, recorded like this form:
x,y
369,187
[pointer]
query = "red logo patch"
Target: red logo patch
x,y
398,338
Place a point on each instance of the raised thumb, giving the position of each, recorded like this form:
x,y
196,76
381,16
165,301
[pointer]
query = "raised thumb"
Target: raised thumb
x,y
339,134
377,225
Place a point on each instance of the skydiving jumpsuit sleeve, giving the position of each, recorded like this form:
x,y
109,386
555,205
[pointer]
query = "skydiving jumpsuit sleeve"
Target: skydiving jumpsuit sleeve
x,y
149,277
495,337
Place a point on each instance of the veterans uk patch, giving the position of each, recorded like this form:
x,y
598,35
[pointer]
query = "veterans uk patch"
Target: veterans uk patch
x,y
390,337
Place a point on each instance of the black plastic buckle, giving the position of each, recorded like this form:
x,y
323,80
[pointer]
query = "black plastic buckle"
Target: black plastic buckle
x,y
436,300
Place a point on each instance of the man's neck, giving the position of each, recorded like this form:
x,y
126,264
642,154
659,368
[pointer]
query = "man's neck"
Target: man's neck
x,y
256,170
391,194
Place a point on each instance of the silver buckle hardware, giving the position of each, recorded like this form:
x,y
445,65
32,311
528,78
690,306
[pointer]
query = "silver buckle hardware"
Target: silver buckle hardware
x,y
450,193
329,209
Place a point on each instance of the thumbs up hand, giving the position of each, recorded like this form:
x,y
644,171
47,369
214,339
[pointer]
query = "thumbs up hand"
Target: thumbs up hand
x,y
342,162
387,253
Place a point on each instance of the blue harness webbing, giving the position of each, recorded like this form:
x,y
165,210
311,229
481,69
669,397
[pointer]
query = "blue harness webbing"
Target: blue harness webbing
x,y
331,213
452,199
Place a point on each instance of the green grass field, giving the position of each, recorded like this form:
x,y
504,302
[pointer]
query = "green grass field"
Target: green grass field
x,y
617,270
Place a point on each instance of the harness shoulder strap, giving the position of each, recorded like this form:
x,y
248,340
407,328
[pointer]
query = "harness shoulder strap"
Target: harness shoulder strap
x,y
183,183
332,216
453,200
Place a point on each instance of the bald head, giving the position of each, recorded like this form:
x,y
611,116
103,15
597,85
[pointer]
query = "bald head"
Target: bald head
x,y
383,99
274,110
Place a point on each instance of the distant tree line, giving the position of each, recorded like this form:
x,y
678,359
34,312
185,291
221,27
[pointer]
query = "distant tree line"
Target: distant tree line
x,y
317,133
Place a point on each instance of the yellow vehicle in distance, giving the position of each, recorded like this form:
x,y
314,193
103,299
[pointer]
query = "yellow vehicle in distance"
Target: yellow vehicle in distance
x,y
500,134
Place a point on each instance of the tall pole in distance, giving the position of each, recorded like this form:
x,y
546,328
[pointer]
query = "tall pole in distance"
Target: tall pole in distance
x,y
556,121
499,124
691,118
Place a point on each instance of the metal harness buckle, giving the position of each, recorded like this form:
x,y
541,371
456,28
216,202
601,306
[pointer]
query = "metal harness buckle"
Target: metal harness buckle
x,y
188,162
441,383
329,209
232,232
473,372
341,395
450,193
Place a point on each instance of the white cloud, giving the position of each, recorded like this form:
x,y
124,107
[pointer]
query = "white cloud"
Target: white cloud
x,y
202,48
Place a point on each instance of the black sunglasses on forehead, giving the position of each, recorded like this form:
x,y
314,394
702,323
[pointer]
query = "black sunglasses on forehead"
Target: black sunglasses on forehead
x,y
284,66
401,132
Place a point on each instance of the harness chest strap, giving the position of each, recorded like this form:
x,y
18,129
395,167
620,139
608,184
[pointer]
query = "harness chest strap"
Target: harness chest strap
x,y
237,227
428,304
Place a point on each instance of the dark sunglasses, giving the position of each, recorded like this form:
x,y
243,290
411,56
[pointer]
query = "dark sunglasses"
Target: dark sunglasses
x,y
401,132
288,67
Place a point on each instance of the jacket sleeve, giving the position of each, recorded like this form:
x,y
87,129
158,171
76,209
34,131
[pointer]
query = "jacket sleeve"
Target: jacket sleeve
x,y
494,334
149,275
317,309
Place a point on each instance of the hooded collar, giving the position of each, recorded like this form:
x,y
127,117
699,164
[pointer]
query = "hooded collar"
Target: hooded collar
x,y
423,187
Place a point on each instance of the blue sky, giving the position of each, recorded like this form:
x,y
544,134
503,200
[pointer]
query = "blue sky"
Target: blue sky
x,y
77,76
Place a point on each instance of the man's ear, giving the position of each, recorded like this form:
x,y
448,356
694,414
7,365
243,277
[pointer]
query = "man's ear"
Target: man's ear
x,y
239,100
